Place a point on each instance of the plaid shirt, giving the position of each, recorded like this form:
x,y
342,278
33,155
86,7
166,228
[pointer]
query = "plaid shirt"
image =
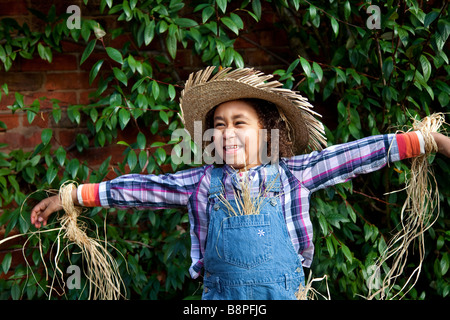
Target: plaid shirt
x,y
300,176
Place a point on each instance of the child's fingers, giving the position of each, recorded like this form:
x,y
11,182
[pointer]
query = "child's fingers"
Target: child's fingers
x,y
35,213
41,212
37,210
41,219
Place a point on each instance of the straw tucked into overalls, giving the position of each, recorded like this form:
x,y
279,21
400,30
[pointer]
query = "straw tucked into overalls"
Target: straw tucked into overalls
x,y
250,256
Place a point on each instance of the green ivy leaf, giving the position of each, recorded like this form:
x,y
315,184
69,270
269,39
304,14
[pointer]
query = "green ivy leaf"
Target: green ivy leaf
x,y
238,60
347,253
141,141
5,88
51,173
19,99
207,13
35,160
354,131
120,75
388,66
185,22
154,127
430,17
45,52
6,264
142,158
222,4
15,291
256,7
318,71
60,156
330,246
426,67
132,159
124,117
155,89
46,136
323,224
292,66
306,66
445,263
115,99
347,10
164,117
87,52
93,113
160,155
94,71
172,92
171,43
149,32
123,143
73,167
334,26
340,74
312,12
56,113
230,24
114,54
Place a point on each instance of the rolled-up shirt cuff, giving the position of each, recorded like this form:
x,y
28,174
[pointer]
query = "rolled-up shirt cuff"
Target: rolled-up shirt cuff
x,y
88,195
410,144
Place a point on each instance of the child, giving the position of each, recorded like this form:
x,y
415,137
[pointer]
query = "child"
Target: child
x,y
256,251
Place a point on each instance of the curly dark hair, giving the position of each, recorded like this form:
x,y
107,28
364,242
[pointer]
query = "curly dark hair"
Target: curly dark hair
x,y
269,118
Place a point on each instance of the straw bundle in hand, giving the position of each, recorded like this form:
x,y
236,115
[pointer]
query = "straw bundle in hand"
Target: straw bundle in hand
x,y
418,215
101,268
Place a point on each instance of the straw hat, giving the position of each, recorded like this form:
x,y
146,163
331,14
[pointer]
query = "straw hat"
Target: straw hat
x,y
203,91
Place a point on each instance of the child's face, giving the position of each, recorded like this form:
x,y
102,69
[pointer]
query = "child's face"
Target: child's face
x,y
236,134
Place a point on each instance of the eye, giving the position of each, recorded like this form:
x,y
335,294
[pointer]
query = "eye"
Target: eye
x,y
218,124
240,123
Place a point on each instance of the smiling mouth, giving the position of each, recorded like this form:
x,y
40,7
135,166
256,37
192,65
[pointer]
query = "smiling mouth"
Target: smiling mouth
x,y
232,148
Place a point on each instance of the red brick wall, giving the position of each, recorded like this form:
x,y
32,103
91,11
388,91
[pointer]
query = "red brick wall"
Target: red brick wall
x,y
64,79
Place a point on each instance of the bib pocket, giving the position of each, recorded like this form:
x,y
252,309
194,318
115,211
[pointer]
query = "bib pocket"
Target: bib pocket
x,y
247,240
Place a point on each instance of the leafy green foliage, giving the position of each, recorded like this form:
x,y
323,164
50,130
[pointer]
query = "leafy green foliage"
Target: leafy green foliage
x,y
370,80
378,80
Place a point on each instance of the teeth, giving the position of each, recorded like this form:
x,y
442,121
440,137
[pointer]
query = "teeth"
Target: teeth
x,y
231,147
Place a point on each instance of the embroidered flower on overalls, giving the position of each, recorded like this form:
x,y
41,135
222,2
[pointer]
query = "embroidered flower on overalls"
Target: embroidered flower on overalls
x,y
261,233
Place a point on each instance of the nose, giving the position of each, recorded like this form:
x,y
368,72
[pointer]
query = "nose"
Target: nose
x,y
228,134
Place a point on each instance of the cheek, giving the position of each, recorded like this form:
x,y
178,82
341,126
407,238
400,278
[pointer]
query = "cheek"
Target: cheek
x,y
250,138
253,135
217,138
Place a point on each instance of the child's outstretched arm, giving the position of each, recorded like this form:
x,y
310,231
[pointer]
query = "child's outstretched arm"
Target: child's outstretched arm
x,y
127,191
443,143
340,163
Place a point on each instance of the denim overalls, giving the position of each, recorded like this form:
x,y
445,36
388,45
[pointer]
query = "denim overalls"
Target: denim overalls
x,y
249,256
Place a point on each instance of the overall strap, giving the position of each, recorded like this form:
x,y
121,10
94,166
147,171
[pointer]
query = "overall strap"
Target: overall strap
x,y
216,186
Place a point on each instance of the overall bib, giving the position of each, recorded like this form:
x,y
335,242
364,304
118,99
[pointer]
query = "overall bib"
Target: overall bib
x,y
249,256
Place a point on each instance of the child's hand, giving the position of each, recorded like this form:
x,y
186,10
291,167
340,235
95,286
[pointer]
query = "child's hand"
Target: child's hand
x,y
41,212
443,143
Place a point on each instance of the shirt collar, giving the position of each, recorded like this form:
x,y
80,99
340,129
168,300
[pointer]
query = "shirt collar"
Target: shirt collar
x,y
234,174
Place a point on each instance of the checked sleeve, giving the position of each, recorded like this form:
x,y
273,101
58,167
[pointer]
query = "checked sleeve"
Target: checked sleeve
x,y
340,163
142,191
